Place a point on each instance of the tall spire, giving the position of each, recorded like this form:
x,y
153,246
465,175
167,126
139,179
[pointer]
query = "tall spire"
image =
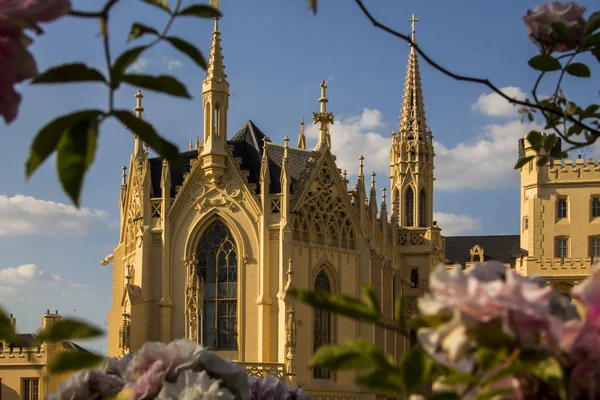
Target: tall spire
x,y
215,93
216,67
412,119
301,137
324,119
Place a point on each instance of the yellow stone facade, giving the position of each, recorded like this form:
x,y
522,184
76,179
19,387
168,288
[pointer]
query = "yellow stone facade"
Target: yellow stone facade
x,y
24,367
210,254
560,218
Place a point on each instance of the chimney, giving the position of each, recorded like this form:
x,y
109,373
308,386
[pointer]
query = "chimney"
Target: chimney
x,y
49,319
13,323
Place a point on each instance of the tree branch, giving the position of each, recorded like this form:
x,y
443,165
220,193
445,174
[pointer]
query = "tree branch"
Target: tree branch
x,y
451,74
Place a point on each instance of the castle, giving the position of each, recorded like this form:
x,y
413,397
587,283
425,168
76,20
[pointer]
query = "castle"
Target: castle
x,y
211,253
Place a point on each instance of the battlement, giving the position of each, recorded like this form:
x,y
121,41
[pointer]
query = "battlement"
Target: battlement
x,y
571,170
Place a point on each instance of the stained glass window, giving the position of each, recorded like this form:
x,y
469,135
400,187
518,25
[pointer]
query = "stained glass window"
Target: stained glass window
x,y
322,327
410,204
217,271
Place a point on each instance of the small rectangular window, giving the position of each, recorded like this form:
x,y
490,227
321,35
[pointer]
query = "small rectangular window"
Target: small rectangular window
x,y
30,389
596,206
414,277
525,223
562,247
561,208
595,247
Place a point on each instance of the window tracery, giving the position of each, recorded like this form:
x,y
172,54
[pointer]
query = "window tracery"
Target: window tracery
x,y
217,272
409,206
322,323
422,208
323,218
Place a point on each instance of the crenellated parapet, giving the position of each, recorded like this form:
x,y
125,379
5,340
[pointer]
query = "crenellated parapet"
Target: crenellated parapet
x,y
571,170
546,266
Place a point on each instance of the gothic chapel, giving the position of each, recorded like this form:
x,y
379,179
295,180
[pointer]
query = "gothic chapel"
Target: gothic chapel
x,y
211,253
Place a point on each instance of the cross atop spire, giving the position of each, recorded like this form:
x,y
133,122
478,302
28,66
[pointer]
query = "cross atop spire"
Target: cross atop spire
x,y
324,119
413,20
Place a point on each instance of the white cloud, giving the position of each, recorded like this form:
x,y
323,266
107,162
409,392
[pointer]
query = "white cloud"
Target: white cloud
x,y
173,63
493,105
25,215
457,225
140,64
26,273
484,163
79,285
353,136
8,293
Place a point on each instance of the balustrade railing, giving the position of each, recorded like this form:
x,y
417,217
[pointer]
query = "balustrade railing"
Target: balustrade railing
x,y
259,370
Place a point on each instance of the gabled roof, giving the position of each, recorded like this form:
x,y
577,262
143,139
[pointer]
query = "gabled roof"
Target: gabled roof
x,y
503,248
248,146
27,340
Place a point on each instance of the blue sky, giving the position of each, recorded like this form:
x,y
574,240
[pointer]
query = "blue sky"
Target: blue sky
x,y
276,53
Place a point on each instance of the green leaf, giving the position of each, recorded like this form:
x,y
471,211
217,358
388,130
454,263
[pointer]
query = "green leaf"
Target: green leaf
x,y
383,381
562,32
578,69
495,393
146,132
338,303
76,72
370,298
444,396
545,63
123,62
7,332
590,111
456,378
596,52
550,142
189,50
416,367
73,360
75,154
550,371
138,30
488,358
356,354
591,41
48,138
399,310
592,24
163,83
523,161
535,139
200,11
542,161
429,321
162,4
312,5
67,329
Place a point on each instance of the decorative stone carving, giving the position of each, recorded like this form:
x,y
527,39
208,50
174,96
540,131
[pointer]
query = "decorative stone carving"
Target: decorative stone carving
x,y
193,296
477,251
273,235
417,239
290,330
156,239
411,307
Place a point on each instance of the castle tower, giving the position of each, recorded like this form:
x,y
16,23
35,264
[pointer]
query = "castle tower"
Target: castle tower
x,y
215,95
411,153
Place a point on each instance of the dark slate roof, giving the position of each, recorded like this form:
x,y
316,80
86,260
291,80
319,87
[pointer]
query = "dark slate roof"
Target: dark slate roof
x,y
503,248
30,340
247,145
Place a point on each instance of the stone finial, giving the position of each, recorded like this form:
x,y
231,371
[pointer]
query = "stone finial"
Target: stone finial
x,y
138,104
191,145
383,190
323,118
361,165
413,20
124,176
373,174
197,142
265,140
301,137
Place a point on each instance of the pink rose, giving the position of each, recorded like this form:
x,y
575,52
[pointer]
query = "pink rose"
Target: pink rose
x,y
26,14
16,65
588,293
539,24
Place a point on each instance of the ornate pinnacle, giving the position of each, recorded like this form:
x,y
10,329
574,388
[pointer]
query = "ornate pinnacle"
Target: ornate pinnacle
x,y
373,174
197,142
124,176
264,139
301,137
138,104
323,118
191,144
361,172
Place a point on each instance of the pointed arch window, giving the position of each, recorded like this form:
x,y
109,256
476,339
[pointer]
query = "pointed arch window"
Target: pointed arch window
x,y
322,324
422,208
218,276
215,120
409,206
